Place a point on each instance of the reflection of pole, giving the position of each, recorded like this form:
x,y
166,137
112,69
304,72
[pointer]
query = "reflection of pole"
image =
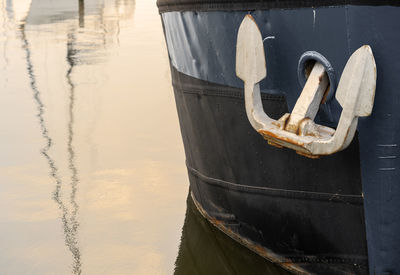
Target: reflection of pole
x,y
68,214
71,158
9,9
81,13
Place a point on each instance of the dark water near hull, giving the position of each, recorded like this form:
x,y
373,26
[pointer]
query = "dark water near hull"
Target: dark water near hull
x,y
92,174
204,249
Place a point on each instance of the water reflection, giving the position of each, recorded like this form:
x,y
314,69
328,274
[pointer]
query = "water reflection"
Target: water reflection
x,y
74,112
204,249
81,14
6,16
69,208
72,227
68,216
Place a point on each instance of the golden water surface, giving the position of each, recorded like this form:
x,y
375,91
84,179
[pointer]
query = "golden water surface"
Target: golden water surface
x,y
92,174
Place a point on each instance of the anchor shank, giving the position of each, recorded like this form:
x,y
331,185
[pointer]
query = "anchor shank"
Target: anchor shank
x,y
308,103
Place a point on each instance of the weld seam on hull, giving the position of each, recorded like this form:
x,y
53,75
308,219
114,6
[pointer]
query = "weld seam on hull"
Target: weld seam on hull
x,y
343,259
215,91
339,198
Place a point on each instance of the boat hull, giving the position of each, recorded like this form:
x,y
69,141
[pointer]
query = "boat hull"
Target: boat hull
x,y
295,212
333,215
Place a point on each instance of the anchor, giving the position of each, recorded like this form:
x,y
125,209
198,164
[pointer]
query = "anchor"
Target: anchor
x,y
297,130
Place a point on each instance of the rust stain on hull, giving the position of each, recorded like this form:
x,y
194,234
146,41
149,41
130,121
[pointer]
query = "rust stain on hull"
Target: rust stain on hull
x,y
258,249
277,141
267,134
308,155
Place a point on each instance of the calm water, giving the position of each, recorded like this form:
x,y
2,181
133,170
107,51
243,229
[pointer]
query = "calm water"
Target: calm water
x,y
92,165
92,173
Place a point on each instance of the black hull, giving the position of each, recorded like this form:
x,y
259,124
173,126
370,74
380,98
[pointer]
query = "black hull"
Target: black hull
x,y
320,231
335,215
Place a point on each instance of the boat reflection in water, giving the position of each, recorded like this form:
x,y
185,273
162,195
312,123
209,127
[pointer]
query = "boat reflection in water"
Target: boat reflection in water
x,y
69,19
204,249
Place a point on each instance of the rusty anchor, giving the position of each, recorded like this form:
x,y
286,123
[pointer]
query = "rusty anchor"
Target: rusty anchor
x,y
297,130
